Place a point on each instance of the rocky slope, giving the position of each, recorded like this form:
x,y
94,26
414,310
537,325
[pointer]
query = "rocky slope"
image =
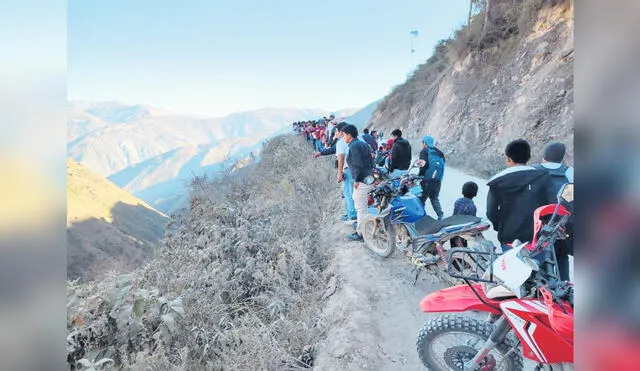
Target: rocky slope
x,y
475,95
107,228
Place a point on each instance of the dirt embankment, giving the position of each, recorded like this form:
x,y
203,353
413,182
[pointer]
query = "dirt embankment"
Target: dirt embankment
x,y
475,99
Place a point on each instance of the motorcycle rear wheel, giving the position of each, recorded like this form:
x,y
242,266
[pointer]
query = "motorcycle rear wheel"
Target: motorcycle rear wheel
x,y
383,242
454,325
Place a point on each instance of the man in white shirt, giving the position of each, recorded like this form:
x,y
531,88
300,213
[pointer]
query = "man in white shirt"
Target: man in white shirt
x,y
344,176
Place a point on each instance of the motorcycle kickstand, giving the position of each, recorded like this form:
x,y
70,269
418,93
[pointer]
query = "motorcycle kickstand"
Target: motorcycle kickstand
x,y
418,271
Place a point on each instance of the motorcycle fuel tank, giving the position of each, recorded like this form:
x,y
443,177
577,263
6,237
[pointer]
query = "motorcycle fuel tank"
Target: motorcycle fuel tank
x,y
406,209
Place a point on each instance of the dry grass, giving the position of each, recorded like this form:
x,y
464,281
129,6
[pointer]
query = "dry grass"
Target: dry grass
x,y
236,284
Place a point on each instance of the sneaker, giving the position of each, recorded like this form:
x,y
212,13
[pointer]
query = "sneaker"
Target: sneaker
x,y
355,237
345,218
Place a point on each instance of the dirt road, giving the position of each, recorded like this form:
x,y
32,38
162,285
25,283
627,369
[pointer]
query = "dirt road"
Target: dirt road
x,y
371,308
373,316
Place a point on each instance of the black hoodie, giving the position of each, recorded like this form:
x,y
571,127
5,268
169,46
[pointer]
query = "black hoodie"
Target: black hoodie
x,y
514,194
400,155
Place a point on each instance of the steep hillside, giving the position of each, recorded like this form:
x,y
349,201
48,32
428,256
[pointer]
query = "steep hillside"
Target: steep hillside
x,y
107,228
507,75
236,284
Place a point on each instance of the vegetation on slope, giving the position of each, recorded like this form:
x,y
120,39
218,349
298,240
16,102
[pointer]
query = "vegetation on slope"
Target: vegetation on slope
x,y
236,283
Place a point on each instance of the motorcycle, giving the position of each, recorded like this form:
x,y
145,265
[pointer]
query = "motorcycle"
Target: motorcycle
x,y
520,295
396,220
381,174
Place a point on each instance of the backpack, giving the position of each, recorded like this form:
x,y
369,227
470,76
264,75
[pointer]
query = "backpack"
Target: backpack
x,y
381,158
558,176
435,171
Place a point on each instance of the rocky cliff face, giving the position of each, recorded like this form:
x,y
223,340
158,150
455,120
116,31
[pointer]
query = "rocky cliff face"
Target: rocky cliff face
x,y
476,101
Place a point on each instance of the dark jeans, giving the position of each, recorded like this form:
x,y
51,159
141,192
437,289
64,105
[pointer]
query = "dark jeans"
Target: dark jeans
x,y
431,191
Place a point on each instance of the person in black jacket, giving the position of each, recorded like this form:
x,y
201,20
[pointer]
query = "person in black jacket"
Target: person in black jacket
x,y
400,154
515,193
361,166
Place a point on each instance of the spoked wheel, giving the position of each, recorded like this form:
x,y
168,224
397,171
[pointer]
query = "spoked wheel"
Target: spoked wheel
x,y
448,342
377,238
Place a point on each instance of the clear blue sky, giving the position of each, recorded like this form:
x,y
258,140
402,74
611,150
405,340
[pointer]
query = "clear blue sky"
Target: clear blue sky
x,y
214,57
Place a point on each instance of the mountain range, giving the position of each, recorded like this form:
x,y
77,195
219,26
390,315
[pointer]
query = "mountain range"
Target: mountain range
x,y
153,153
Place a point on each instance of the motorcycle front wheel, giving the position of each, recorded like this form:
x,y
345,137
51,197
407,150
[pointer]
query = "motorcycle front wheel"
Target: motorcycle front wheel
x,y
378,238
448,341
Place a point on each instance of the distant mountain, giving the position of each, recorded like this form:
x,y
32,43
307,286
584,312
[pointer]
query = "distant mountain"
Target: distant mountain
x,y
154,154
107,228
362,117
164,179
346,112
109,137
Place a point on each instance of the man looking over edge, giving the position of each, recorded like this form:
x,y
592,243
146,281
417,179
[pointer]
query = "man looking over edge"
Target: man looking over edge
x,y
360,167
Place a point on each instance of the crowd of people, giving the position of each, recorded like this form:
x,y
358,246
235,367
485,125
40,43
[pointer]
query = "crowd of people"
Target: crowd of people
x,y
321,132
514,193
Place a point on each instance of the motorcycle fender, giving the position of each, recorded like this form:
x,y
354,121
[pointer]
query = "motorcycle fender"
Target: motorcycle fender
x,y
458,299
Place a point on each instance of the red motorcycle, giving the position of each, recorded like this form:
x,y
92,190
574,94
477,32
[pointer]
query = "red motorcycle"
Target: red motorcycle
x,y
521,296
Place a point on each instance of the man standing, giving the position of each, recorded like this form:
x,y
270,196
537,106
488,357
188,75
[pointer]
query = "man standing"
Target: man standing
x,y
560,174
515,193
552,161
432,173
360,167
343,175
400,155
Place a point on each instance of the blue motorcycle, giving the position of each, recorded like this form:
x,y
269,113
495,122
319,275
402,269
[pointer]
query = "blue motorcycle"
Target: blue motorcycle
x,y
381,174
396,219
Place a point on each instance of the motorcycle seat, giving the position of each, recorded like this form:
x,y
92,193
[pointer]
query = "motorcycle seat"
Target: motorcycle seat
x,y
500,293
429,225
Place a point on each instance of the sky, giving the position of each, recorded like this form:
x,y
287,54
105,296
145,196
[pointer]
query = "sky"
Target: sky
x,y
215,57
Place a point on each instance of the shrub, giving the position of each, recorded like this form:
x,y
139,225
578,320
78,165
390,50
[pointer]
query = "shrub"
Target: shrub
x,y
235,284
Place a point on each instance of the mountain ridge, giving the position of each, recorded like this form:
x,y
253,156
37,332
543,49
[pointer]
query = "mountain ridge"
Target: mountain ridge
x,y
153,153
107,228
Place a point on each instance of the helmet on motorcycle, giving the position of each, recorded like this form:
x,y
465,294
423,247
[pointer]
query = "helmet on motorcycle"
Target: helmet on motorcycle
x,y
429,141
